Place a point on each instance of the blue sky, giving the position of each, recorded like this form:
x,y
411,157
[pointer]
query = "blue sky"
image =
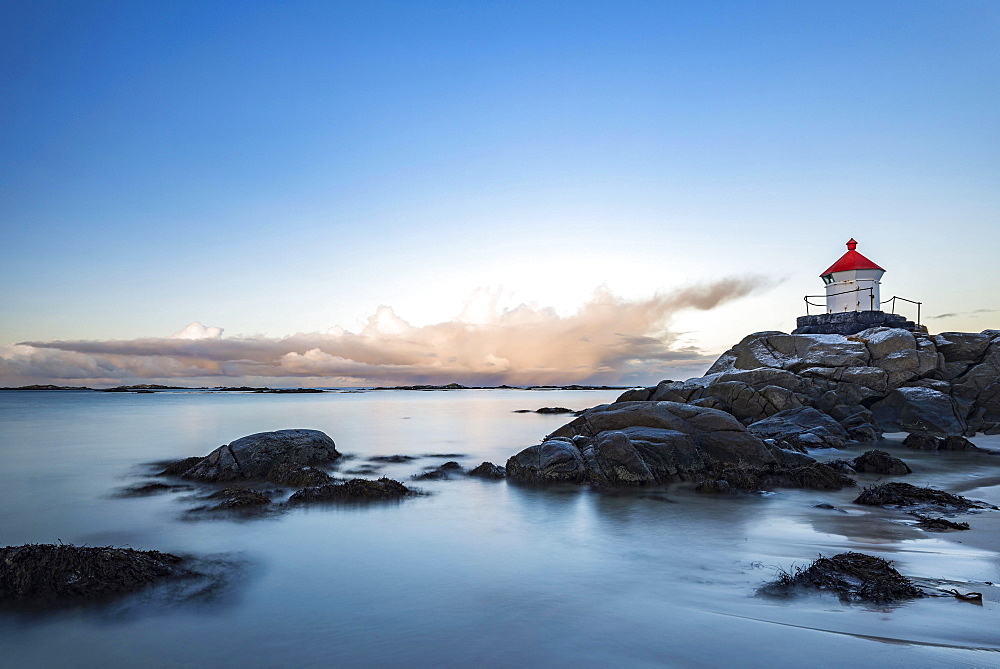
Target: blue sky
x,y
273,168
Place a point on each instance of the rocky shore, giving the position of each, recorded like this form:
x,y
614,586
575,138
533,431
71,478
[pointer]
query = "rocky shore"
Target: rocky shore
x,y
773,398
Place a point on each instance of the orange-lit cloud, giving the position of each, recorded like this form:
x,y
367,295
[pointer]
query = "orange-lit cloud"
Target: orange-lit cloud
x,y
608,340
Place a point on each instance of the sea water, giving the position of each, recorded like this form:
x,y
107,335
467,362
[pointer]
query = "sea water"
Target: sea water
x,y
474,573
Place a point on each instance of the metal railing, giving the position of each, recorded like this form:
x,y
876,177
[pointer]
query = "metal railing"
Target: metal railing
x,y
896,297
871,298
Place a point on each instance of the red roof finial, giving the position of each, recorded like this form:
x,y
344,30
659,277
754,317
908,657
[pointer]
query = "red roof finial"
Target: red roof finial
x,y
851,245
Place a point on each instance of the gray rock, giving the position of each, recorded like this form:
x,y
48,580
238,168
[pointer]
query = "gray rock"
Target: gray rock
x,y
787,457
964,347
635,395
804,427
258,455
919,409
638,443
955,442
921,441
553,460
799,352
488,470
880,462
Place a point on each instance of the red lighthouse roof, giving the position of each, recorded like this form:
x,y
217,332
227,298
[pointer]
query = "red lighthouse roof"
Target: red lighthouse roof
x,y
851,260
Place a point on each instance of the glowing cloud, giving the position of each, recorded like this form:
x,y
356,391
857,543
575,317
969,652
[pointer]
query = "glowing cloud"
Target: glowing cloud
x,y
608,340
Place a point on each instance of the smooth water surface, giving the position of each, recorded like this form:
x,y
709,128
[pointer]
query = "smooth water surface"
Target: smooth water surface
x,y
476,573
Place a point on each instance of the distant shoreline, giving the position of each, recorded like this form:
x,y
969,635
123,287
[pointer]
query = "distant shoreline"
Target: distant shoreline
x,y
152,388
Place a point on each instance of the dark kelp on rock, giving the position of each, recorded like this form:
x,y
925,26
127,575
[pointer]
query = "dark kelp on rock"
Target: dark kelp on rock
x,y
853,577
938,524
355,490
50,575
906,495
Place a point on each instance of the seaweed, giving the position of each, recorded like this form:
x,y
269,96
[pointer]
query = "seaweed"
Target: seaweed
x,y
50,574
237,499
938,524
904,494
853,577
298,477
361,490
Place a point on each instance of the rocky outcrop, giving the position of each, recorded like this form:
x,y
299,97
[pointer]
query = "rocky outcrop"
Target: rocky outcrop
x,y
878,379
634,443
265,455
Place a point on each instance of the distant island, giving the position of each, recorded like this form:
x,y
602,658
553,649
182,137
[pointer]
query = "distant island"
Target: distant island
x,y
152,387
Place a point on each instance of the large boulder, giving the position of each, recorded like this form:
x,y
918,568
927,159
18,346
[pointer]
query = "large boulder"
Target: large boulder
x,y
793,352
801,428
264,455
631,443
919,410
964,347
902,355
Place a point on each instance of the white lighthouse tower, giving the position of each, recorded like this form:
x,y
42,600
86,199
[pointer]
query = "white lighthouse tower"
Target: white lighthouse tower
x,y
852,283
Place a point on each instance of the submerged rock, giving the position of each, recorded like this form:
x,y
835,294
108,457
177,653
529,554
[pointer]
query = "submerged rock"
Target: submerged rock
x,y
488,470
153,488
445,471
355,490
300,477
48,574
635,443
264,455
853,577
236,499
391,458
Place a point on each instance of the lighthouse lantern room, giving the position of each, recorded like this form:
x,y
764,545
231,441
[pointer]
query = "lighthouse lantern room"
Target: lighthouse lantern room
x,y
852,283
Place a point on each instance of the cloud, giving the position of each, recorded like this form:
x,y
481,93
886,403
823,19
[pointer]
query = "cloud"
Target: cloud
x,y
198,331
608,340
971,314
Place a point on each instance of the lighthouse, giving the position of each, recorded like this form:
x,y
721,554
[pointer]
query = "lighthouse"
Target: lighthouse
x,y
853,303
852,283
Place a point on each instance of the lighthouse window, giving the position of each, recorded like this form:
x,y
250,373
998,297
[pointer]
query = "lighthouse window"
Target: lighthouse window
x,y
828,278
